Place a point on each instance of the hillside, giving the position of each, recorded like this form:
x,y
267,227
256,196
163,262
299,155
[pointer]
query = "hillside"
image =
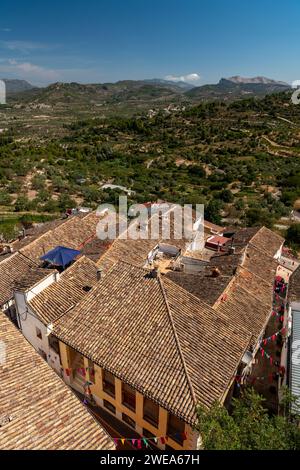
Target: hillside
x,y
237,87
241,158
16,86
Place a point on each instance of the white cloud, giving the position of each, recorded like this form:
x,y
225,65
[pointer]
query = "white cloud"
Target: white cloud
x,y
26,70
189,78
5,30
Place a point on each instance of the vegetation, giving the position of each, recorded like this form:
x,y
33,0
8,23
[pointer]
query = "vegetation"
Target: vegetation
x,y
248,427
293,235
241,159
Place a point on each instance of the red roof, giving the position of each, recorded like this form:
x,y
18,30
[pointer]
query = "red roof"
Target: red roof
x,y
217,240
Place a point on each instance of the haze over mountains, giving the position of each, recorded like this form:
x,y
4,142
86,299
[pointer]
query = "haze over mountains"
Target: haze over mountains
x,y
149,90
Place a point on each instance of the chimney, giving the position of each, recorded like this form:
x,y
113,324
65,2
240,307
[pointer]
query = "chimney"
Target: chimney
x,y
215,272
155,273
99,274
232,250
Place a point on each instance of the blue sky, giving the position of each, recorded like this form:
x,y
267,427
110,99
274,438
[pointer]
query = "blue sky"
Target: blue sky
x,y
100,41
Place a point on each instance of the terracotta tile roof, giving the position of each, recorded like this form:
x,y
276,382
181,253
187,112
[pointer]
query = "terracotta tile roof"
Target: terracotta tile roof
x,y
31,278
74,233
262,289
36,231
267,241
294,286
18,269
244,309
213,227
203,285
259,263
227,263
37,410
217,239
71,287
212,347
261,238
245,281
136,251
157,337
243,236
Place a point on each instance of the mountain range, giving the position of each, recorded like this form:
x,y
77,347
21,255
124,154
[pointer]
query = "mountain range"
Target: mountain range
x,y
151,90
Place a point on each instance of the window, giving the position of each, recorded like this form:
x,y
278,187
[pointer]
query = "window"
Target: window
x,y
128,420
175,429
43,354
147,433
151,412
38,333
128,397
53,343
108,383
109,406
91,371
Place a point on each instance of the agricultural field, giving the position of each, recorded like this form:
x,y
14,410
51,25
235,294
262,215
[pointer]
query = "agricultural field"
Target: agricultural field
x,y
240,158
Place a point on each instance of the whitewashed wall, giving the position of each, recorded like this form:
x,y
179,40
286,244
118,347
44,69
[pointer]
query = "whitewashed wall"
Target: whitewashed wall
x,y
28,323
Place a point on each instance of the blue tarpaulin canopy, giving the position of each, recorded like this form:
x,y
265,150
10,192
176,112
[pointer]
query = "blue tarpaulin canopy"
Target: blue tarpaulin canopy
x,y
60,256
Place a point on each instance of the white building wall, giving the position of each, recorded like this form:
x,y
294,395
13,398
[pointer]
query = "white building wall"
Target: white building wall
x,y
28,323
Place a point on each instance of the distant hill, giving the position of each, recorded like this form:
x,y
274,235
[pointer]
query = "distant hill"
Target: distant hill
x,y
169,83
237,87
138,94
119,92
16,86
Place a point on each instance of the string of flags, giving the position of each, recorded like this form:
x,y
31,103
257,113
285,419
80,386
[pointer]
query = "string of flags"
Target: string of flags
x,y
271,376
80,370
273,337
137,442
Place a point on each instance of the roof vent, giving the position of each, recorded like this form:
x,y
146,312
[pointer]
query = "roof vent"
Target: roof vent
x,y
215,272
86,288
232,250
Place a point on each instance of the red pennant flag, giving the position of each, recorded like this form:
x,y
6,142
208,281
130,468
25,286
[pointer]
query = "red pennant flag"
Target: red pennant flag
x,y
162,440
273,337
68,372
265,342
139,443
271,360
262,352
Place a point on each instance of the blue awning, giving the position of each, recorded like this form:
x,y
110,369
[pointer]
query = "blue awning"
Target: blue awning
x,y
60,256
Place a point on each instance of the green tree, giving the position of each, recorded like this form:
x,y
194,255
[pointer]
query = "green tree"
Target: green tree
x,y
248,427
22,204
212,211
226,195
5,198
293,234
